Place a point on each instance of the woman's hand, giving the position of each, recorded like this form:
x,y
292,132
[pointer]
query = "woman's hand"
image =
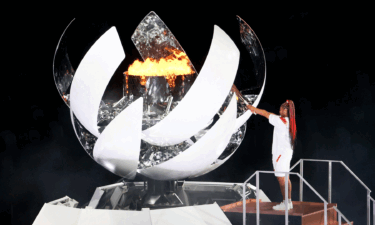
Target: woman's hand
x,y
252,108
235,90
259,111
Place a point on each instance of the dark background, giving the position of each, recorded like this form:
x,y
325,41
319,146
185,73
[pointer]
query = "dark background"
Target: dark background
x,y
317,55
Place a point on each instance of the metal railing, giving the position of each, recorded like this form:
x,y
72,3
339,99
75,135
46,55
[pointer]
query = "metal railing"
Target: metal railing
x,y
341,216
286,197
373,209
300,162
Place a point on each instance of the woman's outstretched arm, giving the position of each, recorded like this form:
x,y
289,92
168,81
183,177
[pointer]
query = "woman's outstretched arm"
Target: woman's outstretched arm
x,y
261,112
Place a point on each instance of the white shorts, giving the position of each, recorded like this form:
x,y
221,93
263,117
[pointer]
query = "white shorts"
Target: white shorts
x,y
283,165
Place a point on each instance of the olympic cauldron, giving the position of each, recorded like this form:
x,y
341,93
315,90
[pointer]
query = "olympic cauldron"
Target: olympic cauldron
x,y
170,124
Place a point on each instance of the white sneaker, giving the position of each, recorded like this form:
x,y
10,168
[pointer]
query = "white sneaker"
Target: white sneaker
x,y
281,206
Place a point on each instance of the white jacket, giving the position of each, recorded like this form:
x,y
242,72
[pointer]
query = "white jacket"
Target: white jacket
x,y
281,140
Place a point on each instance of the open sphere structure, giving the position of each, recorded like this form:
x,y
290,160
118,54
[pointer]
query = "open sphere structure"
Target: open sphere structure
x,y
162,127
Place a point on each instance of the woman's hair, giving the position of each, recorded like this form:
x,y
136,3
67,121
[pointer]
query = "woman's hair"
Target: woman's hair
x,y
292,123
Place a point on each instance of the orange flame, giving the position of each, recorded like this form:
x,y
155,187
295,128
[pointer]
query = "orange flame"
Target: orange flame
x,y
177,63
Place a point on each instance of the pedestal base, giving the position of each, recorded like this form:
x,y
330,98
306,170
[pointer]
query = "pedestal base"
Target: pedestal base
x,y
167,194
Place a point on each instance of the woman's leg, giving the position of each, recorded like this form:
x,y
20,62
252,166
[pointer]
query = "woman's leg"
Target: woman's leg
x,y
282,187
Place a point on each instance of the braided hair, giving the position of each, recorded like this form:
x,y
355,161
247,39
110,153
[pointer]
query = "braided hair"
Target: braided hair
x,y
292,123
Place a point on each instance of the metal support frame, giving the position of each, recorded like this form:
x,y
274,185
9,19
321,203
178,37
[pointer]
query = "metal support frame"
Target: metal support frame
x,y
368,208
330,182
341,216
244,202
286,198
325,213
257,203
257,174
301,182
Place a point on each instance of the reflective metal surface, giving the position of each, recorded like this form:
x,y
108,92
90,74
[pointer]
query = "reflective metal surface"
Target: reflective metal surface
x,y
152,155
63,71
135,195
152,38
253,46
85,138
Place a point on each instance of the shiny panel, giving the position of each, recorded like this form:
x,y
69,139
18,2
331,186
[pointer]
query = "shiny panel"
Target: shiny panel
x,y
201,154
195,112
153,39
63,71
85,138
253,46
118,146
152,36
92,76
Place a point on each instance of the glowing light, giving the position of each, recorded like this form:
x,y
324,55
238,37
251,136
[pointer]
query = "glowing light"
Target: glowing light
x,y
177,63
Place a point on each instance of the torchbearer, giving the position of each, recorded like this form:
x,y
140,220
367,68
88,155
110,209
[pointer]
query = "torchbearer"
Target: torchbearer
x,y
284,137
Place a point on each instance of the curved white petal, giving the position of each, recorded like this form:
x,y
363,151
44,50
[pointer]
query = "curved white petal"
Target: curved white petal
x,y
205,151
118,146
241,120
210,168
92,77
204,98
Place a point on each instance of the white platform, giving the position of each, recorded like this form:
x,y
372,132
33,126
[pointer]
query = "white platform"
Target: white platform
x,y
199,215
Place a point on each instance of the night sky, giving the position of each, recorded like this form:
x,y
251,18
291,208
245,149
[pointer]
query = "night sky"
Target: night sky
x,y
317,56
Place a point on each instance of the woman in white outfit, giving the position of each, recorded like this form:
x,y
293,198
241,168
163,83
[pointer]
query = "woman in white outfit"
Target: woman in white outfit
x,y
284,137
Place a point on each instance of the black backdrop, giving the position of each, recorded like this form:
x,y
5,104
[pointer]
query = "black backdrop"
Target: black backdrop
x,y
318,56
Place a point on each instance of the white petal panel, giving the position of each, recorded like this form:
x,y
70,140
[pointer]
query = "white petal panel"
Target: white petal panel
x,y
92,77
242,119
239,122
117,148
204,152
204,98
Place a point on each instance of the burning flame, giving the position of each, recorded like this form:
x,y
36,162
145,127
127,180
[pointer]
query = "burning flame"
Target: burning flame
x,y
177,63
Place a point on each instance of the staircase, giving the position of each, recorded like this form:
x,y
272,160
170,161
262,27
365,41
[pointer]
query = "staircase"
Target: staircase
x,y
303,213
